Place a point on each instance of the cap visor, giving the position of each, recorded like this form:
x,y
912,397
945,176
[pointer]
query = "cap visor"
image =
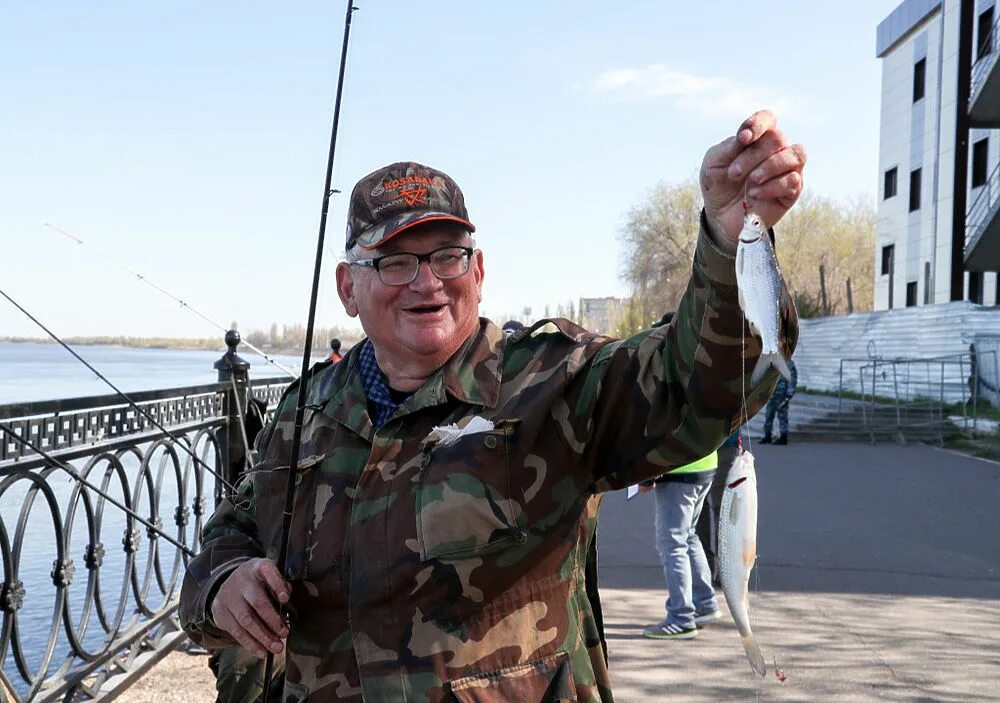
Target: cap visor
x,y
419,220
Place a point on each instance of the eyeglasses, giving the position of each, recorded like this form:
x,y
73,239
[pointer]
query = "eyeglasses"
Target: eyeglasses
x,y
402,269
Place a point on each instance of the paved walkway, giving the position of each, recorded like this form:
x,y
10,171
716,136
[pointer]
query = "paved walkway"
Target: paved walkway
x,y
878,579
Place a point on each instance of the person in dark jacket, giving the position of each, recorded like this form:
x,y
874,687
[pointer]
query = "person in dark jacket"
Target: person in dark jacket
x,y
778,404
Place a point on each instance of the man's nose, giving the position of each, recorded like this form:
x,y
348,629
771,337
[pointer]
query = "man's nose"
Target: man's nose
x,y
426,279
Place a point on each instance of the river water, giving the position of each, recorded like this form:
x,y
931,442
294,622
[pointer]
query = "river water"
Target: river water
x,y
35,372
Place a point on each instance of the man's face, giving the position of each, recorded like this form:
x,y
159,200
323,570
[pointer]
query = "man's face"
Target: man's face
x,y
425,322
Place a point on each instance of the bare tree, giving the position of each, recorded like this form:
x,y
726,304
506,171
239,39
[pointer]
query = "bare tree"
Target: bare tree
x,y
660,235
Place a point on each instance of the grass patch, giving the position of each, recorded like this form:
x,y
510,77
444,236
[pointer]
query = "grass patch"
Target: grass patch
x,y
984,446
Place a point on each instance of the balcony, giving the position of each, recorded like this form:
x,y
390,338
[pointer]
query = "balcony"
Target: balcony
x,y
984,91
982,226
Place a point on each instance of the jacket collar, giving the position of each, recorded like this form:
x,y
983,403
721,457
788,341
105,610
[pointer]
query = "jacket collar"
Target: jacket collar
x,y
472,376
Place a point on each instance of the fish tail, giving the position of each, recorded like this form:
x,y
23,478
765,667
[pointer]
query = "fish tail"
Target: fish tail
x,y
765,362
754,655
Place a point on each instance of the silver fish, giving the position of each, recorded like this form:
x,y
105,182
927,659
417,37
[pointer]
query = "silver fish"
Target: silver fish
x,y
760,291
738,550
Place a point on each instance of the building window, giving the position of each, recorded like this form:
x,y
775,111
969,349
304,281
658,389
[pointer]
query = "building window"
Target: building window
x,y
914,189
911,294
984,34
927,283
980,150
889,187
887,252
919,77
976,287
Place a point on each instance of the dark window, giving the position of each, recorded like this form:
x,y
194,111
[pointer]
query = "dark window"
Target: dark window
x,y
927,282
976,287
919,77
890,184
984,34
979,152
911,294
887,258
914,189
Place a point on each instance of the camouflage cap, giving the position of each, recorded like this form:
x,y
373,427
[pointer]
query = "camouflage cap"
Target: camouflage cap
x,y
398,196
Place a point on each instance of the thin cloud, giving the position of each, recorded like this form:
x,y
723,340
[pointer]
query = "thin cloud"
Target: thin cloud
x,y
705,95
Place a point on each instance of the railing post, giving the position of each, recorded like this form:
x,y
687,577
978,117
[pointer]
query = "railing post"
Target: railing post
x,y
234,371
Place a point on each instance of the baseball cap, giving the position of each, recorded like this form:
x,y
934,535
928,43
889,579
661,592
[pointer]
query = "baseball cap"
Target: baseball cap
x,y
399,196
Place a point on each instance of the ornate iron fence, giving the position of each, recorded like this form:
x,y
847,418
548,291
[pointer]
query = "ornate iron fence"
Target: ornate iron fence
x,y
89,588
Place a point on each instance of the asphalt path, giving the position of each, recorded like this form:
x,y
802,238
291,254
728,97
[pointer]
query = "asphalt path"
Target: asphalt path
x,y
878,578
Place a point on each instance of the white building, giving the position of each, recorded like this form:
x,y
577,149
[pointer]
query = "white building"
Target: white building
x,y
939,157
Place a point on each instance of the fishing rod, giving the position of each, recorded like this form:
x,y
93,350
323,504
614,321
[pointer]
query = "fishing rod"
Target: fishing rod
x,y
76,475
117,390
293,462
170,295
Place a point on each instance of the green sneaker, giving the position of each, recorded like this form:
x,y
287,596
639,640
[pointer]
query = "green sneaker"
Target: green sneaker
x,y
669,631
705,618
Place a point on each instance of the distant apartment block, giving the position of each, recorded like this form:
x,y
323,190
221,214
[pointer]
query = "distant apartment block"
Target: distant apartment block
x,y
600,315
938,226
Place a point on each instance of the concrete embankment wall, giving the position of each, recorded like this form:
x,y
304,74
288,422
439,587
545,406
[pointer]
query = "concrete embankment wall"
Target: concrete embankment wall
x,y
927,332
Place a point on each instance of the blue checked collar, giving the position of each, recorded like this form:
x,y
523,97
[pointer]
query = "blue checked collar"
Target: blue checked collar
x,y
380,403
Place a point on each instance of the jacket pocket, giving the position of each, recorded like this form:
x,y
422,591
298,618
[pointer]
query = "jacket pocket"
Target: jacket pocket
x,y
294,693
545,680
464,507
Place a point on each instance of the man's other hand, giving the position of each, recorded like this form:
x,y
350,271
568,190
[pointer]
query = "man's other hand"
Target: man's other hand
x,y
760,156
245,606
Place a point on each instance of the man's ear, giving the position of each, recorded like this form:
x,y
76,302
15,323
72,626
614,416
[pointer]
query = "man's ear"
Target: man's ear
x,y
345,288
479,271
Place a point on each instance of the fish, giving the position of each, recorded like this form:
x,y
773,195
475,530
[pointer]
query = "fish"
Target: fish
x,y
738,550
758,280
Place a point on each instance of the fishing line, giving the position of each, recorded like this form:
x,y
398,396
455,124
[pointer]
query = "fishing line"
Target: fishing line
x,y
293,460
173,297
243,426
124,397
743,350
76,475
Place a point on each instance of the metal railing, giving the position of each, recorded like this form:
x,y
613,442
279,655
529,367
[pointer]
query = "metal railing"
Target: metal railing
x,y
910,397
982,66
88,597
984,208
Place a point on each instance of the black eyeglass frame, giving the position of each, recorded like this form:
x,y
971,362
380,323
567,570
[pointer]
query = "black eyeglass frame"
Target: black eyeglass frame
x,y
375,263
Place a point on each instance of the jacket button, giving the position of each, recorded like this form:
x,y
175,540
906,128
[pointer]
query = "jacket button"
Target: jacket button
x,y
490,441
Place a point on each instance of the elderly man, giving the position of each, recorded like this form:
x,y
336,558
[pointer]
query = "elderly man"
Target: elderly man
x,y
451,474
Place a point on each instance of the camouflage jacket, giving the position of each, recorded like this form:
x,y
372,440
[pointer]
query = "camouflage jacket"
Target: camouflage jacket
x,y
427,570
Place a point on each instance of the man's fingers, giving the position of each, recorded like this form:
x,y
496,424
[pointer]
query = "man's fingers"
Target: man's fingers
x,y
783,188
246,629
756,154
267,573
261,604
756,126
247,619
791,158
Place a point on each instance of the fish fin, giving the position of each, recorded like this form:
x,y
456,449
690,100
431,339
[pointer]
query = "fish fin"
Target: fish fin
x,y
765,362
739,277
734,509
754,655
782,366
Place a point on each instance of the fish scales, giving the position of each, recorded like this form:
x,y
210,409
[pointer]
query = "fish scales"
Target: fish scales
x,y
760,291
738,550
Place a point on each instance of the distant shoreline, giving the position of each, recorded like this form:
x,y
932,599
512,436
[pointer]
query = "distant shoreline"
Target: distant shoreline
x,y
163,343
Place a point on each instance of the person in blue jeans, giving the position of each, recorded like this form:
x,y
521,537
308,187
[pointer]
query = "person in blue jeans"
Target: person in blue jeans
x,y
680,496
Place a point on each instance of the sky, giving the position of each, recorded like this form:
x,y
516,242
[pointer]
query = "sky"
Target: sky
x,y
187,141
